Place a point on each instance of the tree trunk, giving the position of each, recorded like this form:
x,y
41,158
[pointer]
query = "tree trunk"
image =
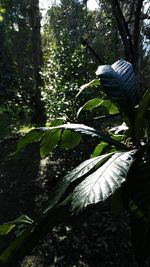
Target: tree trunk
x,y
38,115
129,30
136,35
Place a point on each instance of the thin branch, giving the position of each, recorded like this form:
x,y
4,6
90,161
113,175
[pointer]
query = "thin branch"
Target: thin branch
x,y
131,12
123,30
86,44
137,29
105,117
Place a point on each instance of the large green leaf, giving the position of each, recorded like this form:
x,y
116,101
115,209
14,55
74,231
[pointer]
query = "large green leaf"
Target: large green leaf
x,y
70,139
17,243
110,106
51,136
96,102
83,129
23,219
32,136
95,82
118,81
120,129
77,173
8,226
49,141
99,148
99,185
90,105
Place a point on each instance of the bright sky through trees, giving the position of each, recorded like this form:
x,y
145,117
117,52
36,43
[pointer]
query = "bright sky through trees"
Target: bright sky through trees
x,y
44,4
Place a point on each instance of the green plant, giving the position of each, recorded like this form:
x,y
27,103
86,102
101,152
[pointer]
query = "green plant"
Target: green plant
x,y
119,166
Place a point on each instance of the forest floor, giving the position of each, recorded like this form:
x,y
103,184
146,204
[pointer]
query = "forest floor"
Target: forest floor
x,y
94,239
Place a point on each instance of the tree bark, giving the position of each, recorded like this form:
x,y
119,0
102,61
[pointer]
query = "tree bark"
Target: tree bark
x,y
136,34
38,115
130,34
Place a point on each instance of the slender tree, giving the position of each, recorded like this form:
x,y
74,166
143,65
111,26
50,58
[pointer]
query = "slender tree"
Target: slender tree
x,y
129,25
38,115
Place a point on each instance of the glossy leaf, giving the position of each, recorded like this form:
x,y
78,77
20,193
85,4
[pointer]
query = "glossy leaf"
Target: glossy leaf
x,y
120,129
23,219
49,141
83,129
96,102
70,139
14,245
118,81
103,182
58,121
6,228
99,148
35,136
111,107
32,136
91,104
95,82
51,136
77,173
118,137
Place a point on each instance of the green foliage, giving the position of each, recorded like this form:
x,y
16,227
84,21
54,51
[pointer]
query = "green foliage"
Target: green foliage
x,y
64,57
7,227
99,149
67,63
97,102
2,11
65,134
70,139
90,105
117,158
117,168
17,77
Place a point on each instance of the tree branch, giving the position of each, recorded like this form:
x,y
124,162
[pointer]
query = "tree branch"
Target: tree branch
x,y
131,12
136,33
123,30
86,44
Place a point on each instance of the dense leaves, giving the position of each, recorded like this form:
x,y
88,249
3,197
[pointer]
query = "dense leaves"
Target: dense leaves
x,y
72,39
66,134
